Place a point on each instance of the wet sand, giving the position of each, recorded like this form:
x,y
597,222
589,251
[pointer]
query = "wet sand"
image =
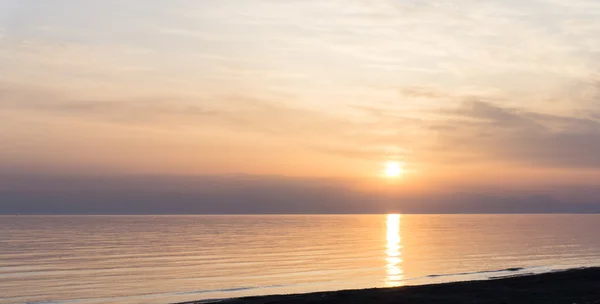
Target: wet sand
x,y
581,286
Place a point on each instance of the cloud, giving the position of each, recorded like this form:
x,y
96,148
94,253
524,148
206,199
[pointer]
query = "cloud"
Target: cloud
x,y
348,78
21,53
323,132
468,131
236,115
488,132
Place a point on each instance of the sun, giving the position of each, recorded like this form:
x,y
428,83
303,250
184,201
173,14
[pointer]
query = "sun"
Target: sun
x,y
393,169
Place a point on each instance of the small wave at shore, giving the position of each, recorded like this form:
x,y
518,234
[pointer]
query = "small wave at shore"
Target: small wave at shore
x,y
483,274
228,289
477,272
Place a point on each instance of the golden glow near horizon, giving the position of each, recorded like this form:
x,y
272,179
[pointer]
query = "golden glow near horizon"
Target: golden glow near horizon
x,y
394,272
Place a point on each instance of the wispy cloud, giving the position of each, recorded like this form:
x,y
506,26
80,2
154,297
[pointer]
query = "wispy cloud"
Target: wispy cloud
x,y
487,132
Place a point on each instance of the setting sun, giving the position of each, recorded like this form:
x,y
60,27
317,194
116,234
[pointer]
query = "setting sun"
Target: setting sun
x,y
393,169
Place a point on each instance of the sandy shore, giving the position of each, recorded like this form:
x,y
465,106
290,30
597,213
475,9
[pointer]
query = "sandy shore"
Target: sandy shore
x,y
581,286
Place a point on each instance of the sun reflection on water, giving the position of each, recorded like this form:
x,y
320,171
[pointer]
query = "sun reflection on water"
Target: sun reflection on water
x,y
393,251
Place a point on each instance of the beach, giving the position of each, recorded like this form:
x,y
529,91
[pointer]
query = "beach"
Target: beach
x,y
581,286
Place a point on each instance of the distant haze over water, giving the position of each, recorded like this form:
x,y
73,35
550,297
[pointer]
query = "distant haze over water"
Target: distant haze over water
x,y
166,259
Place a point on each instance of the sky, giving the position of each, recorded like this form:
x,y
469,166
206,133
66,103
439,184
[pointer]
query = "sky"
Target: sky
x,y
265,106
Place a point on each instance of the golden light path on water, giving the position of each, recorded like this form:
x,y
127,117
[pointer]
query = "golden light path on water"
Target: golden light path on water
x,y
394,272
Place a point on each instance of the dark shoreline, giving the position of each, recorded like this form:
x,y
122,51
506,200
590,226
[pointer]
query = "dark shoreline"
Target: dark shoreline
x,y
581,286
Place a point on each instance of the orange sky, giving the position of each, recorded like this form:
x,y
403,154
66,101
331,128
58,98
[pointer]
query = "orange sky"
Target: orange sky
x,y
499,94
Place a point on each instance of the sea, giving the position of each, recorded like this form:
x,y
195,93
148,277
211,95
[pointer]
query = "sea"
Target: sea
x,y
172,259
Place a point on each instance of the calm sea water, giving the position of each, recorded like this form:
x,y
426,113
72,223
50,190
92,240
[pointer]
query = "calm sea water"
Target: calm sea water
x,y
167,259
